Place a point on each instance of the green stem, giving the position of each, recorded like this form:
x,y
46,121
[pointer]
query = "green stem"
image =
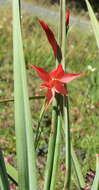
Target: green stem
x,y
51,148
60,25
65,101
56,154
67,145
38,132
20,9
30,98
63,32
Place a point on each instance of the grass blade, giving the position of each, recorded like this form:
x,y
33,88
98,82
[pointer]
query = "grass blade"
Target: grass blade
x,y
4,185
94,22
77,168
12,173
23,123
95,185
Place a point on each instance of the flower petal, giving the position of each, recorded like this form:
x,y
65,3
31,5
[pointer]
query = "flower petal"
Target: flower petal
x,y
59,88
44,75
45,85
69,77
50,95
67,16
58,72
51,39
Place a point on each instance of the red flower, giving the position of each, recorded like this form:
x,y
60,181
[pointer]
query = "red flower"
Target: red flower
x,y
52,40
54,81
67,16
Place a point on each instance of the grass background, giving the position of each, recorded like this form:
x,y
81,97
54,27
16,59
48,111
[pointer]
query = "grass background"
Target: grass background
x,y
83,92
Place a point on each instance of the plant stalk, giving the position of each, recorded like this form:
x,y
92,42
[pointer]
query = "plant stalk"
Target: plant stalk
x,y
51,148
30,98
56,153
67,145
65,99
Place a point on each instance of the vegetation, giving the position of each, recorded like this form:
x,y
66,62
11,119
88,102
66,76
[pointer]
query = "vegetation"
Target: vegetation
x,y
79,5
82,54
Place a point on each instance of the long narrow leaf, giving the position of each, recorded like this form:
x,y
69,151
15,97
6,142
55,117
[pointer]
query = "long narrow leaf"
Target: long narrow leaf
x,y
95,185
12,173
94,22
23,123
77,168
4,185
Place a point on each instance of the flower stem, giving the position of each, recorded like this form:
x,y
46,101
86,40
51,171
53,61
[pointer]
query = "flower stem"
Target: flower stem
x,y
51,147
63,20
30,98
56,153
65,100
60,25
67,145
39,130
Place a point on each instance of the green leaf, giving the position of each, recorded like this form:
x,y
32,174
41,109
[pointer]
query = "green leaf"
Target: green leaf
x,y
4,185
95,185
12,173
27,179
77,168
94,22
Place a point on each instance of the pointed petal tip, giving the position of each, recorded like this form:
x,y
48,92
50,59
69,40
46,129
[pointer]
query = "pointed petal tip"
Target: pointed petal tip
x,y
33,66
30,65
44,75
44,25
67,77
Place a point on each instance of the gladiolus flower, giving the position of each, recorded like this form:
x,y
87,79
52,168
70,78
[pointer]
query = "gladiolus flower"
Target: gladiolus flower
x,y
67,16
54,81
52,40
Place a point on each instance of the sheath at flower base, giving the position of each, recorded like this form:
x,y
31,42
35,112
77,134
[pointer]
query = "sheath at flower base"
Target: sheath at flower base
x,y
67,16
54,81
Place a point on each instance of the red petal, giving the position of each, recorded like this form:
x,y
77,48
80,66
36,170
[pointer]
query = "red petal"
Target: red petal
x,y
44,75
50,95
67,16
45,85
59,88
69,77
57,73
51,39
48,84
